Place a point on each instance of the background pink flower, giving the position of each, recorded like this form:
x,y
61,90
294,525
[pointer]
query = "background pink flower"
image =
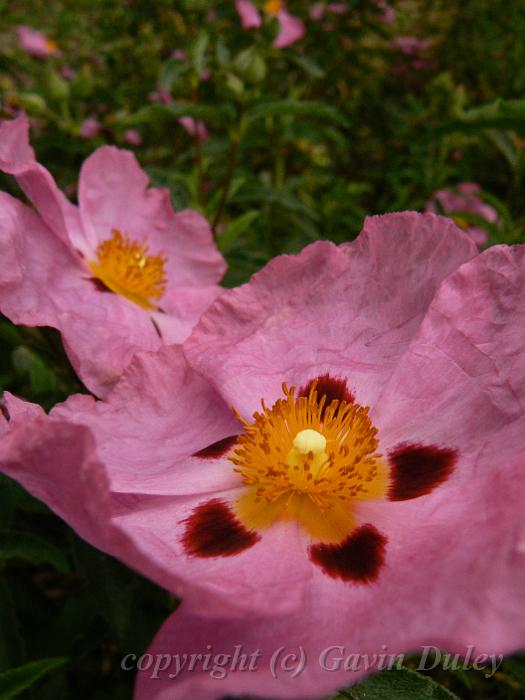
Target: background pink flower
x,y
132,137
464,199
90,128
194,127
119,273
35,43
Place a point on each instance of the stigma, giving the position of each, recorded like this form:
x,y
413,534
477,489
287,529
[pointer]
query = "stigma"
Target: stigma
x,y
126,267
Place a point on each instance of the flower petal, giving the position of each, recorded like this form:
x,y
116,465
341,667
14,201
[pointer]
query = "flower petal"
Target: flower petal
x,y
42,283
18,158
348,311
114,194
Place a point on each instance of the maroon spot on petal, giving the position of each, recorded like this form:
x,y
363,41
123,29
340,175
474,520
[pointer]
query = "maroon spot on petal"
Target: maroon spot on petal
x,y
333,388
358,559
212,530
99,285
416,470
217,449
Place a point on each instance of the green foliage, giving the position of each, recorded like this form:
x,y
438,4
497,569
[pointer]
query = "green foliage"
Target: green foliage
x,y
303,143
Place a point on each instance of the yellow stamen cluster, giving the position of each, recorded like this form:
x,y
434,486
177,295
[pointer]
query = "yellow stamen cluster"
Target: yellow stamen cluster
x,y
307,461
273,7
127,268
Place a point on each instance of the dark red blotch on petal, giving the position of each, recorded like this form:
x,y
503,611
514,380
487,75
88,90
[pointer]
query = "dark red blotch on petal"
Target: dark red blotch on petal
x,y
416,470
212,530
217,449
333,388
358,559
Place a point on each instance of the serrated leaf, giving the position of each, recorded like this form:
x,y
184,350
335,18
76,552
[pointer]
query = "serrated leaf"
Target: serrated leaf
x,y
31,548
402,683
277,108
500,114
16,680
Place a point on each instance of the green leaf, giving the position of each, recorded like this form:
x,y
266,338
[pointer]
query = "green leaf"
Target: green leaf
x,y
41,378
311,67
500,114
31,548
15,681
151,113
170,72
236,228
281,108
403,683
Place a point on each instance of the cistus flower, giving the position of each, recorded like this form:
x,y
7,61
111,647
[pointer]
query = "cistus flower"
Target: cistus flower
x,y
464,199
291,28
90,128
35,43
118,273
334,458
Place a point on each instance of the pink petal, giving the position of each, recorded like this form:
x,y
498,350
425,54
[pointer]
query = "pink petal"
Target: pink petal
x,y
114,194
158,416
291,29
18,158
464,368
349,311
43,282
250,17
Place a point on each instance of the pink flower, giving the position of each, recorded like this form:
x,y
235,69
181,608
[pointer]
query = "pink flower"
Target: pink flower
x,y
317,11
250,17
179,55
464,199
410,45
161,95
119,273
385,489
388,13
90,128
35,43
194,127
132,137
337,8
291,29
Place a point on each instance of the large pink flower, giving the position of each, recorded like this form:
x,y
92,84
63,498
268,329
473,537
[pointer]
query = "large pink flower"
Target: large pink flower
x,y
464,199
378,504
119,273
291,28
35,43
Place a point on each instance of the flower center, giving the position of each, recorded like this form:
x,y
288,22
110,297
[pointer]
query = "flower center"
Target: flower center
x,y
127,268
273,7
307,461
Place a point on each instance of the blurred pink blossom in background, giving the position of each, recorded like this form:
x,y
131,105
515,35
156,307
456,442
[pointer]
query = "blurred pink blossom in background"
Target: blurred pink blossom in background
x,y
35,43
291,28
90,128
464,198
194,127
132,137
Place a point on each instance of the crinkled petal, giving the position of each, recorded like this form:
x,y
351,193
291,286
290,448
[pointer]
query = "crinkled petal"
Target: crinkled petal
x,y
158,416
350,311
43,283
18,158
460,382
